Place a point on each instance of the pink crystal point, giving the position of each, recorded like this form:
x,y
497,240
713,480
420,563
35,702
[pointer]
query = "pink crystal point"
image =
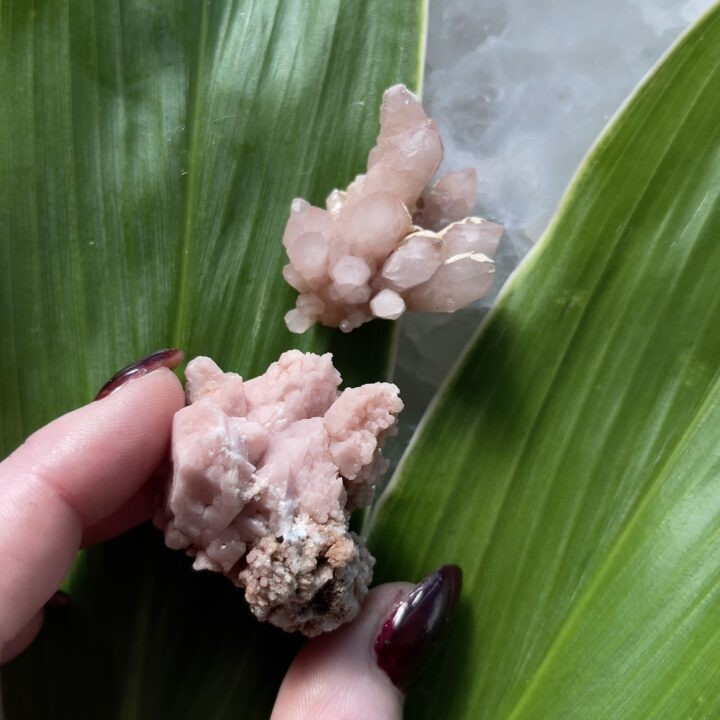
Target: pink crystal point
x,y
407,153
265,475
414,261
365,256
452,197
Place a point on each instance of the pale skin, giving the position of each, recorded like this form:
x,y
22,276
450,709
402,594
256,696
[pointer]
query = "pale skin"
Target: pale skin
x,y
84,478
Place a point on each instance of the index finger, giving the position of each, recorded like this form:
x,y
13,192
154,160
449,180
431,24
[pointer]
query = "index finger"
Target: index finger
x,y
68,476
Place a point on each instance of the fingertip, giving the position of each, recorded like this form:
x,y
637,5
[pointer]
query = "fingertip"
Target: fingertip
x,y
337,675
170,384
17,644
360,670
71,475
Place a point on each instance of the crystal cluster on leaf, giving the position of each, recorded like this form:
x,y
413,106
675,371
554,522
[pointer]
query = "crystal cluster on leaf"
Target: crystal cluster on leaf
x,y
390,243
265,475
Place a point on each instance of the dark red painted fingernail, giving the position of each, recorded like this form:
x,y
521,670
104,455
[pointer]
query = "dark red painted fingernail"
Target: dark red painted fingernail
x,y
412,631
169,358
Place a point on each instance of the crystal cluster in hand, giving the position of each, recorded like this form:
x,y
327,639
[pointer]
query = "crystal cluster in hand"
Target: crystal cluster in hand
x,y
390,243
265,475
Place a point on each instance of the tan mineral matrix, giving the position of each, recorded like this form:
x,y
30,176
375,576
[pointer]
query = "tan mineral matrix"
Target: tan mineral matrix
x,y
265,475
390,242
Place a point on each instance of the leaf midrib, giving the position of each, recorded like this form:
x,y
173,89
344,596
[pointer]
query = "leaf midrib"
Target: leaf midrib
x,y
189,197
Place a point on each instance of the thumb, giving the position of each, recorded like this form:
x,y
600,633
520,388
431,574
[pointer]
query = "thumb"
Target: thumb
x,y
359,671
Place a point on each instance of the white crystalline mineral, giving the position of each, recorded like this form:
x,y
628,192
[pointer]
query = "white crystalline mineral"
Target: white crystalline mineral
x,y
379,247
265,475
519,89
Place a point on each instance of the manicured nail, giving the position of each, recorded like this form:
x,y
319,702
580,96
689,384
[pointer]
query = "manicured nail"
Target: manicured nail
x,y
412,631
169,358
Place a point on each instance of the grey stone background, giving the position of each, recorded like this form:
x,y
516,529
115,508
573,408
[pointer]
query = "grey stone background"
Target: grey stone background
x,y
520,90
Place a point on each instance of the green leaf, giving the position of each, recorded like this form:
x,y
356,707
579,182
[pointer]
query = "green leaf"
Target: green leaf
x,y
571,465
148,155
149,151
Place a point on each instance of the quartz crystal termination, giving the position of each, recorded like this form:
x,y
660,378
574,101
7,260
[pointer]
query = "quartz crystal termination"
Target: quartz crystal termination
x,y
390,243
265,475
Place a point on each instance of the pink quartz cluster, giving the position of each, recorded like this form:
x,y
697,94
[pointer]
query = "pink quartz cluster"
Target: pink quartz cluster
x,y
265,475
389,243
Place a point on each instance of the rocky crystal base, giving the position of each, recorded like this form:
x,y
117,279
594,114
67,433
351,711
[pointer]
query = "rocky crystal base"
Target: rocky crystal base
x,y
389,243
265,476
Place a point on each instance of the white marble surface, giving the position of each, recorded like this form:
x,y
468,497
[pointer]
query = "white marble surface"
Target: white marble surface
x,y
520,90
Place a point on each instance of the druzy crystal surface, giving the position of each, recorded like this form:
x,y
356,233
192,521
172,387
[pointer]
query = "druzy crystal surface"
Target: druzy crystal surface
x,y
265,475
390,242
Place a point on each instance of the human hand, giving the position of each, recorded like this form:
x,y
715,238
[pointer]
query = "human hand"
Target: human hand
x,y
84,478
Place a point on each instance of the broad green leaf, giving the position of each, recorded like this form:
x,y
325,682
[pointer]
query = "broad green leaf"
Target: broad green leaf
x,y
571,465
149,151
148,155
